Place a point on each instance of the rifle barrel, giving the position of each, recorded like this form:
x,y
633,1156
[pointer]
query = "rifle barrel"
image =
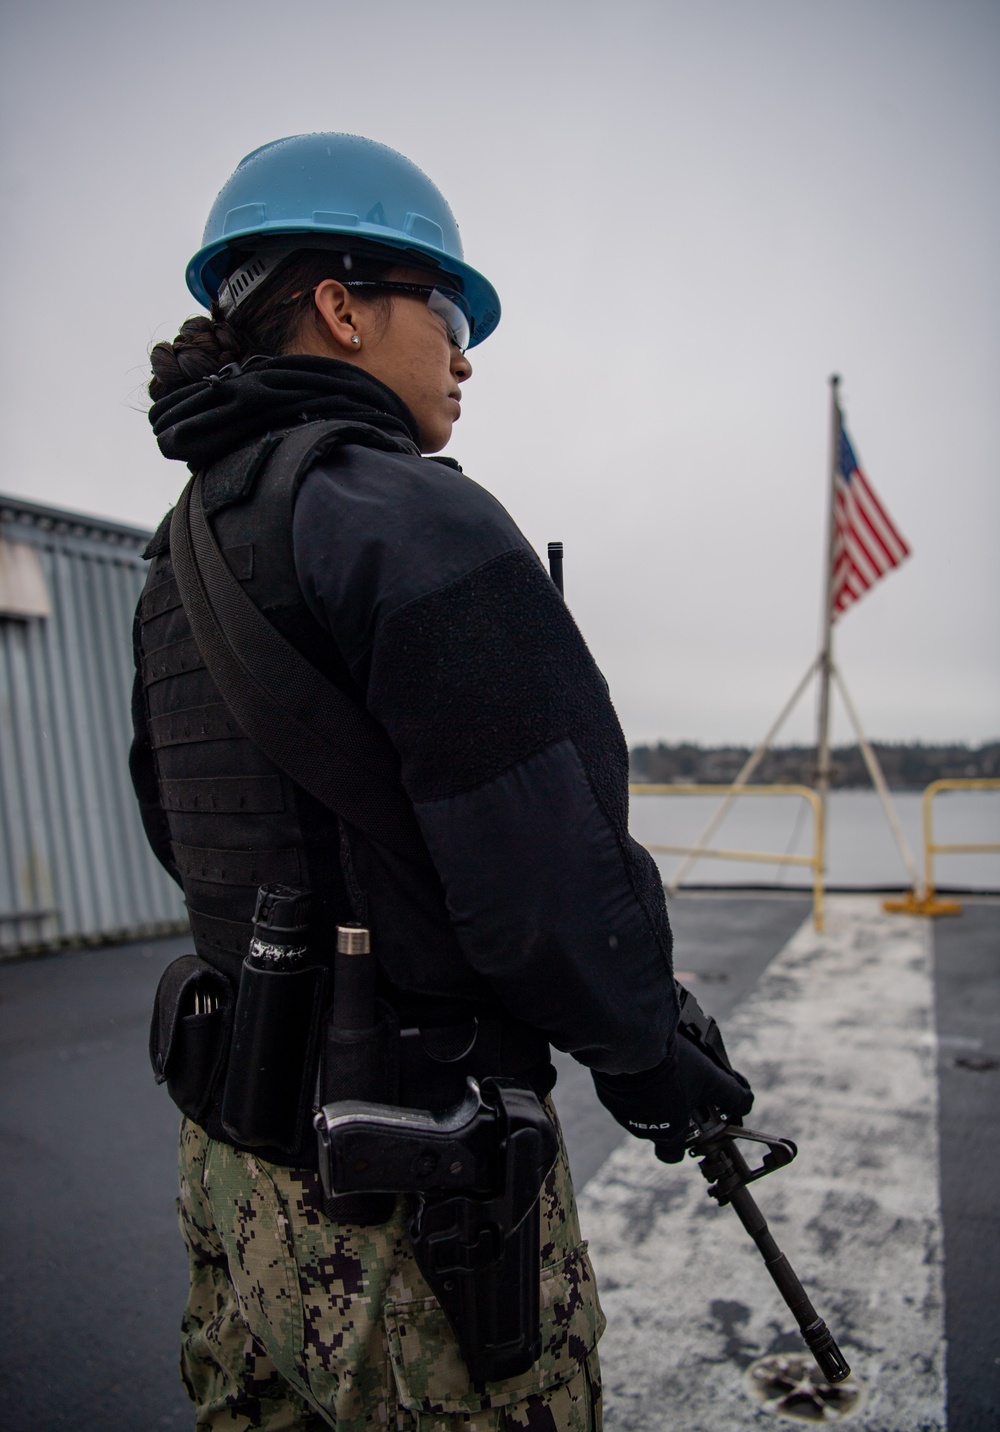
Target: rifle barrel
x,y
723,1166
818,1337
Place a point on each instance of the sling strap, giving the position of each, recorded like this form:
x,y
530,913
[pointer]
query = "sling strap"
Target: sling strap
x,y
307,726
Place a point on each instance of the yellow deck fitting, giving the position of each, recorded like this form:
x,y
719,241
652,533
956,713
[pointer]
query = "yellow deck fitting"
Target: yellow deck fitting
x,y
929,904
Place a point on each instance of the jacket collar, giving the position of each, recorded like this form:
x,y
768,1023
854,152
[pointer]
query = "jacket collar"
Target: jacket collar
x,y
205,421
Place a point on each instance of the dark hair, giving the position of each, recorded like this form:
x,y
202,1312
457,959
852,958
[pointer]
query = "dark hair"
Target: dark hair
x,y
264,324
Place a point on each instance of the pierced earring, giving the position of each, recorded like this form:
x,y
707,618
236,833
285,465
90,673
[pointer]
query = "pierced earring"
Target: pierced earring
x,y
355,339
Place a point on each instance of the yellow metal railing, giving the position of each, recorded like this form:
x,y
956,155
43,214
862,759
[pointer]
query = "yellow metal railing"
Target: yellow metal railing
x,y
814,861
925,902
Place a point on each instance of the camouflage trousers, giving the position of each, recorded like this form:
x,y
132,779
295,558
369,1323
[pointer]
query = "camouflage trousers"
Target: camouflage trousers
x,y
295,1323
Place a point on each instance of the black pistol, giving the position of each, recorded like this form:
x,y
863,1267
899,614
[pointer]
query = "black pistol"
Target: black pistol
x,y
474,1173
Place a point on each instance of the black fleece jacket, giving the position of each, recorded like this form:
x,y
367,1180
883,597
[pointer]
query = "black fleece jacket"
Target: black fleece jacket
x,y
509,746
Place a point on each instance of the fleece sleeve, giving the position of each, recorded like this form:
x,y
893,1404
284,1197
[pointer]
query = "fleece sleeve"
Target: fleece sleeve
x,y
510,749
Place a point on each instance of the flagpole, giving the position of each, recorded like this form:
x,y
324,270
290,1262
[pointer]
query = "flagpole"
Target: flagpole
x,y
826,649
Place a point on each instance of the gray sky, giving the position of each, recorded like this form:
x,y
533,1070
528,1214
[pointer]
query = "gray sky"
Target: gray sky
x,y
694,213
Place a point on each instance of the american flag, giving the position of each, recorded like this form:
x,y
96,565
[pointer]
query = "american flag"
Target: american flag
x,y
866,542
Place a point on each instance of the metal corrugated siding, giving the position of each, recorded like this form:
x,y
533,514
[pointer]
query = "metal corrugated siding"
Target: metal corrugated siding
x,y
74,862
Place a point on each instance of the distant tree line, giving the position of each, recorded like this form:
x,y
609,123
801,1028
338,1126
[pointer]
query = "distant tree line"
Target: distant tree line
x,y
906,766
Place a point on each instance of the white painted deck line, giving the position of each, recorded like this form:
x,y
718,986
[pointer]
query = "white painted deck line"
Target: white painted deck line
x,y
838,1042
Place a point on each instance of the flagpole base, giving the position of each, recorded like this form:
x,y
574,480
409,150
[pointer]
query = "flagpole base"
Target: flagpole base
x,y
928,904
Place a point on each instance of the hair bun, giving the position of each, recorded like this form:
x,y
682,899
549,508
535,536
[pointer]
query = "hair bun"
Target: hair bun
x,y
201,348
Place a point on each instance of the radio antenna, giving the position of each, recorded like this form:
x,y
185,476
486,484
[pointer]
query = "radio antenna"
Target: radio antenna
x,y
556,565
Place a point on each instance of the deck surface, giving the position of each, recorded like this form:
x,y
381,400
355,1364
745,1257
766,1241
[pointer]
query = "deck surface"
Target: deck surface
x,y
876,1046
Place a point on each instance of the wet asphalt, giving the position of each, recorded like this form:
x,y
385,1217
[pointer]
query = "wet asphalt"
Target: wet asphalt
x,y
967,998
92,1276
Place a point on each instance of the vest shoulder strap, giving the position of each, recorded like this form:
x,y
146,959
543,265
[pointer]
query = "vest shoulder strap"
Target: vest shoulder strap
x,y
311,729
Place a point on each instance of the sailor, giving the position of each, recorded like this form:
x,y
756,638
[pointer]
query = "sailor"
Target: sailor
x,y
516,913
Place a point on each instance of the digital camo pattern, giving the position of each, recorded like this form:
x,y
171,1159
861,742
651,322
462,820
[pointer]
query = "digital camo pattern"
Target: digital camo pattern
x,y
295,1323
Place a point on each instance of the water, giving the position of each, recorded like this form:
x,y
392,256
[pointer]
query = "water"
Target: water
x,y
861,849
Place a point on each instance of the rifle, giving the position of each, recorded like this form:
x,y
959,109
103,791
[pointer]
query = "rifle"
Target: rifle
x,y
712,1141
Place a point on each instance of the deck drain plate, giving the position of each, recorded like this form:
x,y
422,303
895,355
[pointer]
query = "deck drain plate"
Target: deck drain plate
x,y
979,1063
792,1386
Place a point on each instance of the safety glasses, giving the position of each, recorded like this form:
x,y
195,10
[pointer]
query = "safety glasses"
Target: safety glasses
x,y
451,307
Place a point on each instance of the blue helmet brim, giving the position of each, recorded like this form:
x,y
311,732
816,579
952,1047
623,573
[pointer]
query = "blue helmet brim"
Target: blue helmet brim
x,y
482,297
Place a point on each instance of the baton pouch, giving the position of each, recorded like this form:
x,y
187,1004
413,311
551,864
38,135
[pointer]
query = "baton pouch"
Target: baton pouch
x,y
361,1064
267,1098
189,1033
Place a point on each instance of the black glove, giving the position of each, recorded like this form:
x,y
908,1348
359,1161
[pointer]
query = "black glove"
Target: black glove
x,y
657,1104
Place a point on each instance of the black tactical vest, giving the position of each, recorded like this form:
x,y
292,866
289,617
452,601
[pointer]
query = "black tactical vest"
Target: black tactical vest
x,y
236,821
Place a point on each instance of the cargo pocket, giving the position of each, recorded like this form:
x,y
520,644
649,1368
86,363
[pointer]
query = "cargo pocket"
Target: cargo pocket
x,y
189,1034
428,1368
253,1227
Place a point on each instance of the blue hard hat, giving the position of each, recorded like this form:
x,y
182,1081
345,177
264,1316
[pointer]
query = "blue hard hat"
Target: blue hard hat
x,y
335,184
